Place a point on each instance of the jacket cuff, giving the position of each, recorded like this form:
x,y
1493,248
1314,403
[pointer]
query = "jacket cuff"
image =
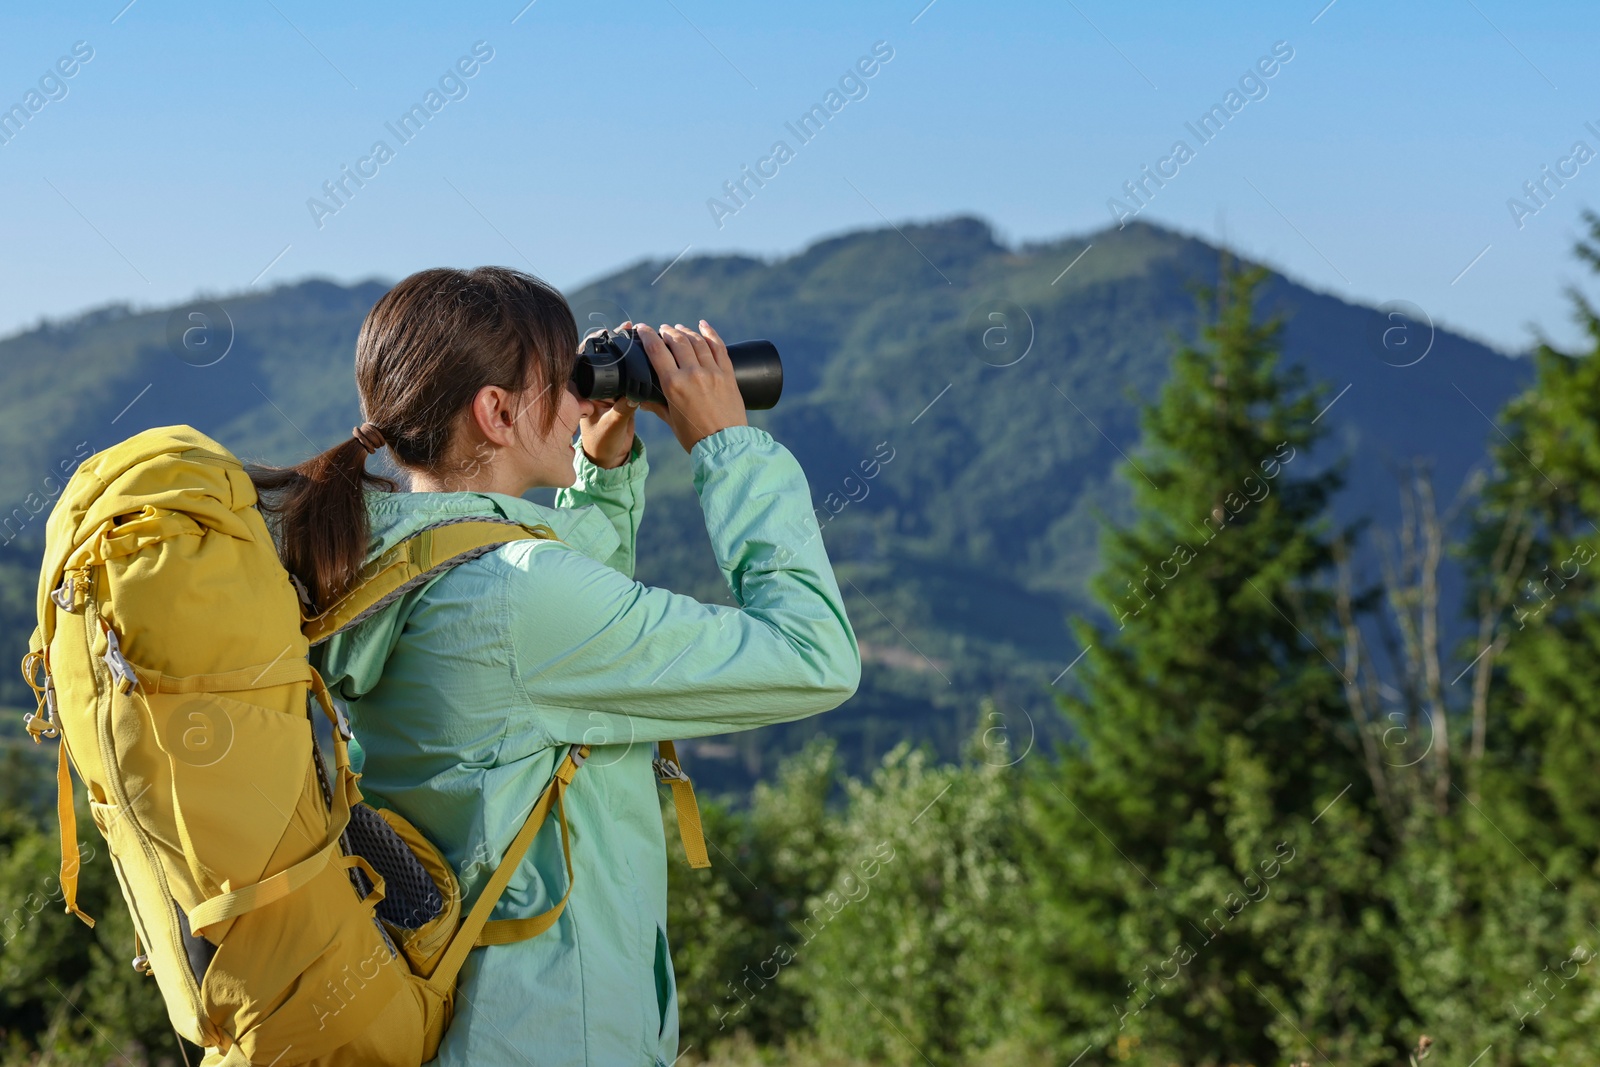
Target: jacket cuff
x,y
729,438
592,476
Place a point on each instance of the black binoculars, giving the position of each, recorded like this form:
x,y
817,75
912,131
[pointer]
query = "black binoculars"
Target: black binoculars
x,y
616,365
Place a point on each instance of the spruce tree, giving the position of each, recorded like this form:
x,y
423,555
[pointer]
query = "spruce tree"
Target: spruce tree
x,y
1206,851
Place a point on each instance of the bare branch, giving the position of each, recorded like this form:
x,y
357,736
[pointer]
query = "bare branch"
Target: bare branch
x,y
1353,688
1431,534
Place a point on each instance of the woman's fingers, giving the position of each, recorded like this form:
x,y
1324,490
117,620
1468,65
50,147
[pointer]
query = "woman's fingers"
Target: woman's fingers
x,y
701,392
681,342
661,357
687,347
719,348
702,347
682,353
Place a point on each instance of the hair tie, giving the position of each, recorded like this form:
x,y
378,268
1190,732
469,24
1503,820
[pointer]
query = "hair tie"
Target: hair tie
x,y
370,436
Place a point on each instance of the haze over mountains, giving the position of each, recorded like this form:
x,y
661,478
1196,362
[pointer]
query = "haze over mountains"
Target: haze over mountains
x,y
964,460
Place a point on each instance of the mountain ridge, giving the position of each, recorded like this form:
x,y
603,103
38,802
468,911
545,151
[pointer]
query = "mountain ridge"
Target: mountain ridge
x,y
1022,246
963,554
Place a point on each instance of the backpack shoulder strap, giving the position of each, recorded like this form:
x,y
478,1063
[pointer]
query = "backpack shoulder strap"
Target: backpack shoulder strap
x,y
505,931
419,558
476,929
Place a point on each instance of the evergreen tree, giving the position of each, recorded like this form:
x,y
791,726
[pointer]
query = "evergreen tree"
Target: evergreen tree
x,y
1206,853
1504,902
1547,488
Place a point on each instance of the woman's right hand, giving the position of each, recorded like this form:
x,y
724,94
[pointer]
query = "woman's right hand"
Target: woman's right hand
x,y
697,378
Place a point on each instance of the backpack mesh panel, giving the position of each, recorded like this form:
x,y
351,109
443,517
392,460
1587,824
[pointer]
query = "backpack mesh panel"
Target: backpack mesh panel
x,y
410,897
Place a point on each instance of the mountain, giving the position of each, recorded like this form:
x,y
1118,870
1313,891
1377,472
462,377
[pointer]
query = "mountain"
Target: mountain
x,y
963,410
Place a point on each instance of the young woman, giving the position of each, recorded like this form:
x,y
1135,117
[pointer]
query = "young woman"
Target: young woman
x,y
465,695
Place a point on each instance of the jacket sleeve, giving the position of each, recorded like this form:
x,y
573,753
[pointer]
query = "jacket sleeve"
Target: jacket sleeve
x,y
618,493
612,661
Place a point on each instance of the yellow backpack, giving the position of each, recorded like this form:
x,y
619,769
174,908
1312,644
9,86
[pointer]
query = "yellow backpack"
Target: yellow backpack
x,y
285,922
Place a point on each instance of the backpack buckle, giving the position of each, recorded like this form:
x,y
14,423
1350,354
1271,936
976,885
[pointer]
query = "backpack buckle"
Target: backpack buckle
x,y
41,721
40,725
74,589
63,595
668,770
122,672
302,594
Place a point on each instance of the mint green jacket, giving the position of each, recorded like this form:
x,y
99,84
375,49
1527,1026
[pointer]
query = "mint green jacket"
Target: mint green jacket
x,y
464,695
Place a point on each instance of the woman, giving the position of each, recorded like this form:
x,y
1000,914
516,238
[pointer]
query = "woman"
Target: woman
x,y
464,695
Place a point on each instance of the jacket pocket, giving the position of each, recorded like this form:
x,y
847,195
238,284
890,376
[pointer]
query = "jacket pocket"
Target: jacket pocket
x,y
666,983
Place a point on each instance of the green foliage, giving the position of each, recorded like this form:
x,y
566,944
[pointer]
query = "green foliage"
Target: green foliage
x,y
1207,874
884,929
67,993
1547,488
732,926
1193,906
1499,903
923,920
960,559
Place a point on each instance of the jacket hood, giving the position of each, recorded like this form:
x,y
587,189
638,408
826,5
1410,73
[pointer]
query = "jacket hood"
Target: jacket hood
x,y
353,661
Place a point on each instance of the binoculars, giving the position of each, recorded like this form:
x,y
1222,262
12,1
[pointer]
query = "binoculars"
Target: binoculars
x,y
615,364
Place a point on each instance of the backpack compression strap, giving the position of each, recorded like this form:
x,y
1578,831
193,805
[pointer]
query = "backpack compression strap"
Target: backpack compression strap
x,y
233,903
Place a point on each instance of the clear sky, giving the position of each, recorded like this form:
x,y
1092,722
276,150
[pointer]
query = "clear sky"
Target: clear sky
x,y
1376,163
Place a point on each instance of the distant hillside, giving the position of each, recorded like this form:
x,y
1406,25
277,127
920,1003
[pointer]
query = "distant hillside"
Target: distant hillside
x,y
965,551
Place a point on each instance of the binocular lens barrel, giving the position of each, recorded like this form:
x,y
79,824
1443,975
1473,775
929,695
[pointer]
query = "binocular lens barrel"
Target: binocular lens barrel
x,y
614,365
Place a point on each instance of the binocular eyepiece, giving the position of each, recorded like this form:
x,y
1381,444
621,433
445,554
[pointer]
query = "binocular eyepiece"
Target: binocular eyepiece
x,y
615,364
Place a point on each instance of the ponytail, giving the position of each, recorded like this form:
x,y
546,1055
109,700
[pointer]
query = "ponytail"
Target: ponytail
x,y
426,348
321,517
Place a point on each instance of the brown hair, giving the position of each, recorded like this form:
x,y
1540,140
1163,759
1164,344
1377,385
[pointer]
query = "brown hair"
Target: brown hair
x,y
426,348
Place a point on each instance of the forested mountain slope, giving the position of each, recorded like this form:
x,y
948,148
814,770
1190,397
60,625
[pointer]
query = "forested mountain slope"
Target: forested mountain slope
x,y
960,407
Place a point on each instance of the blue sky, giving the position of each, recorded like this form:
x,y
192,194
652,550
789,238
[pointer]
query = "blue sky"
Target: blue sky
x,y
1378,164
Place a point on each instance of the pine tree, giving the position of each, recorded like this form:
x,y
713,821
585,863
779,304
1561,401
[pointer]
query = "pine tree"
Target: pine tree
x,y
1206,852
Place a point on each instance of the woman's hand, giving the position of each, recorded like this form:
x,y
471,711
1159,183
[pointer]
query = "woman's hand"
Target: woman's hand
x,y
608,435
697,378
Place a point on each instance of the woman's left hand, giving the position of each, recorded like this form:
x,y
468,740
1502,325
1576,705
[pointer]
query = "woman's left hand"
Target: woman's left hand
x,y
608,435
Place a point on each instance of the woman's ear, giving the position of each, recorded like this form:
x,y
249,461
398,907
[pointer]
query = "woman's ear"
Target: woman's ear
x,y
494,415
